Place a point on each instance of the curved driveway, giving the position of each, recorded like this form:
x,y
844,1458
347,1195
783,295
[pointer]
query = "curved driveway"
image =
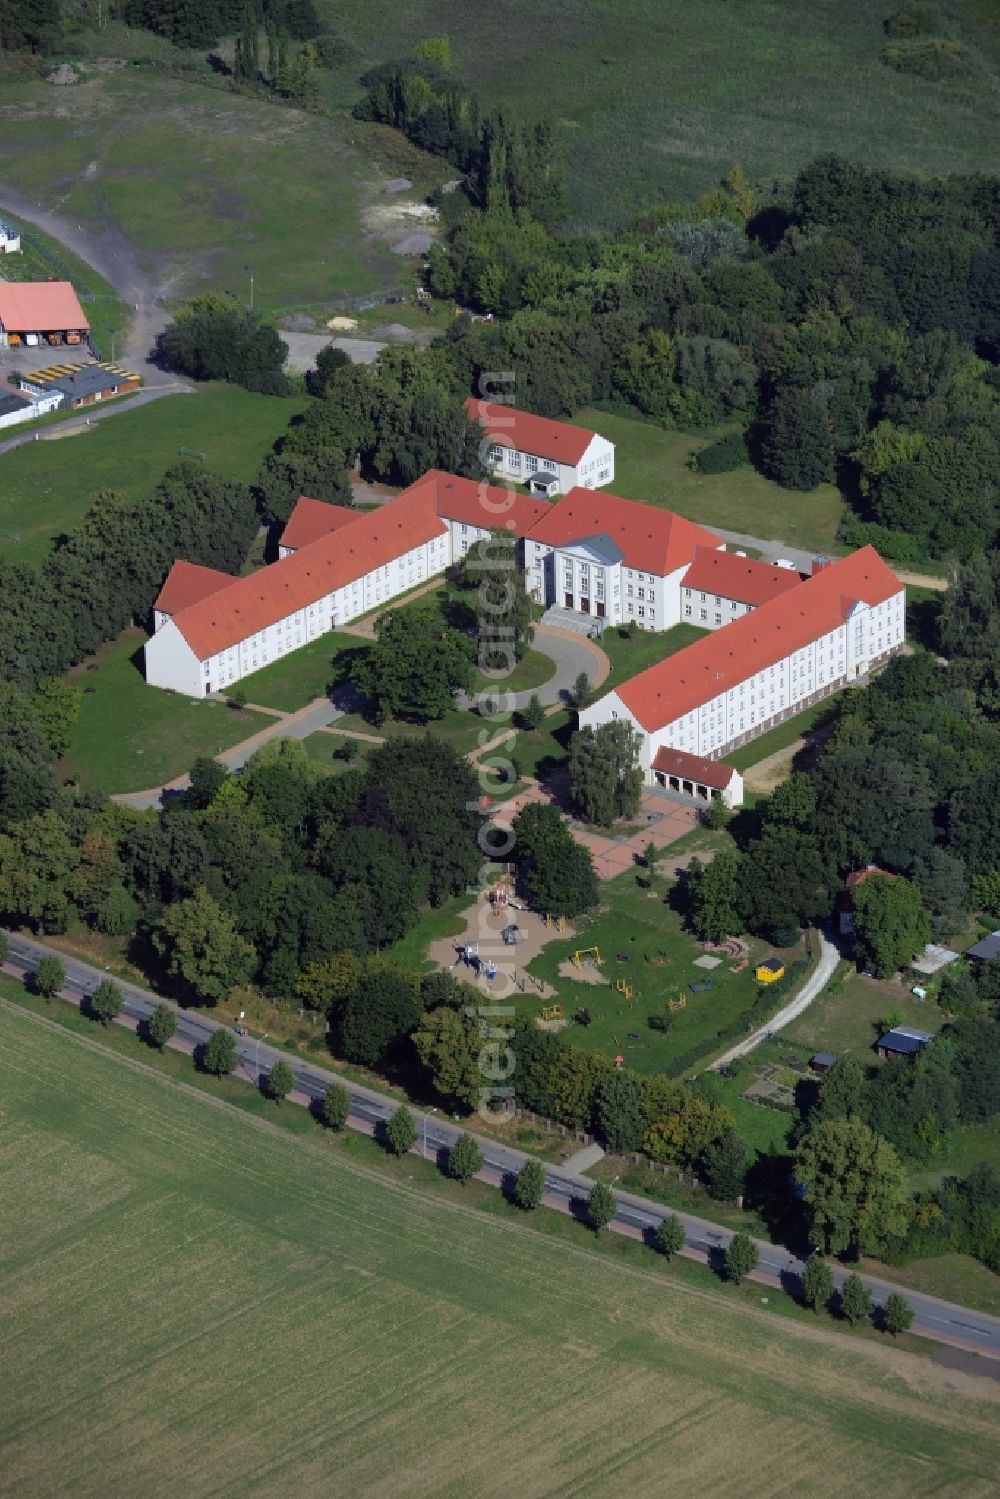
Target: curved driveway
x,y
571,654
636,1217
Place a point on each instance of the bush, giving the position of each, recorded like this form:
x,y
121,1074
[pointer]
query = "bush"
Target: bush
x,y
914,20
722,457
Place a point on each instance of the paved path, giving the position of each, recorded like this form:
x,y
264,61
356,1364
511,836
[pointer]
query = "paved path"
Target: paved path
x,y
572,654
771,550
580,1164
636,1217
813,986
77,423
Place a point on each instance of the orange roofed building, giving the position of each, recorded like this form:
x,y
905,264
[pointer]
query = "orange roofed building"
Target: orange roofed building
x,y
550,457
729,687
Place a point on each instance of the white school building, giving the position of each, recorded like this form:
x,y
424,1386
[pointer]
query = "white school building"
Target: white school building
x,y
550,457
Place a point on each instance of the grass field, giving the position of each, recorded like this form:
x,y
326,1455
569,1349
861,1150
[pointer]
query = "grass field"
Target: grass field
x,y
842,1019
636,922
656,99
302,675
651,465
48,486
202,1303
628,656
130,736
287,192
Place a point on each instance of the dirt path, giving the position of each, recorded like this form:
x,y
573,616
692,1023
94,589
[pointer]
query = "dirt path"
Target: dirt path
x,y
773,769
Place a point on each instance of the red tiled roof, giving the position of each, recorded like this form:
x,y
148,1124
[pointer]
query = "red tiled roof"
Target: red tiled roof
x,y
312,519
490,506
40,307
699,673
188,583
675,762
649,538
859,876
510,428
738,578
252,603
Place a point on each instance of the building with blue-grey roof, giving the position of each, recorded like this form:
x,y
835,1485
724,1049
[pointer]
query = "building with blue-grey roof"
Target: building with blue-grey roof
x,y
903,1041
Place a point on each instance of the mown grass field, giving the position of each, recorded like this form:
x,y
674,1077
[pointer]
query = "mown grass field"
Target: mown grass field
x,y
130,736
637,923
48,485
200,1303
656,99
651,465
276,188
843,1018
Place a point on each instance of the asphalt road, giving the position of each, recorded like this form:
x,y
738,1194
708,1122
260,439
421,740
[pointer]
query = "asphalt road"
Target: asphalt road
x,y
941,1320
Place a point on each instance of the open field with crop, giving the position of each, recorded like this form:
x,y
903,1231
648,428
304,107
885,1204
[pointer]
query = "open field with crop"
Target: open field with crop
x,y
281,190
130,736
48,486
657,99
175,1267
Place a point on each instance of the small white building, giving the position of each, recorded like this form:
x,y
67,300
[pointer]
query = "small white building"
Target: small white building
x,y
550,457
17,406
10,239
734,684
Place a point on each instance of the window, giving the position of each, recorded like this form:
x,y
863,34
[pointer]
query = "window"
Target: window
x,y
687,609
630,590
718,619
702,613
552,467
687,593
642,612
496,454
642,591
531,464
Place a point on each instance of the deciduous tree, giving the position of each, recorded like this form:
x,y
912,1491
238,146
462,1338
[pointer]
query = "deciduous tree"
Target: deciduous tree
x,y
336,1106
50,976
106,1002
742,1256
855,1300
897,1314
855,1187
670,1235
601,1206
530,1185
817,1283
890,923
162,1025
202,948
604,772
281,1080
401,1131
465,1158
219,1055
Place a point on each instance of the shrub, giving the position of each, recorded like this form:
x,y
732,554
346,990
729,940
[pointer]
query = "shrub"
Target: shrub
x,y
914,20
723,456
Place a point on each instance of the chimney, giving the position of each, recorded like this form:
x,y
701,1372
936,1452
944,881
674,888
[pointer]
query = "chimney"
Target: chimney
x,y
819,563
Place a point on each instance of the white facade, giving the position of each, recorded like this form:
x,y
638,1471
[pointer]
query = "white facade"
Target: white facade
x,y
171,662
519,466
10,239
591,577
750,707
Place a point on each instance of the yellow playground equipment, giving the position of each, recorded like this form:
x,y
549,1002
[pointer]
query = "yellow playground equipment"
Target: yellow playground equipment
x,y
553,1012
559,922
770,970
679,1003
625,989
584,952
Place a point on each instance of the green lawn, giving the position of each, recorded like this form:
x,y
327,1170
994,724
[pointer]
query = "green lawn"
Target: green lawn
x,y
322,747
656,99
778,738
130,736
651,465
636,922
302,675
176,1263
285,192
48,486
533,670
842,1019
631,654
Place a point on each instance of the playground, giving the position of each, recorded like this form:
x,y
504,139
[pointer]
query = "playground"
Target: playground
x,y
481,944
632,961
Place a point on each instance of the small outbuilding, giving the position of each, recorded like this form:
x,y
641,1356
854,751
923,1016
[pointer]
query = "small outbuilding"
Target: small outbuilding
x,y
770,971
903,1041
985,950
34,312
696,777
82,384
10,239
822,1061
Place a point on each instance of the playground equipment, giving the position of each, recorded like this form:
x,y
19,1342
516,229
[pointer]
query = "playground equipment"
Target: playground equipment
x,y
624,988
680,1003
512,933
582,952
499,896
702,987
553,1012
770,971
559,922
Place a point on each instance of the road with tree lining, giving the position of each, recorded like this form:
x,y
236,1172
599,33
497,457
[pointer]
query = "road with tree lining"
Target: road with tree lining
x,y
636,1217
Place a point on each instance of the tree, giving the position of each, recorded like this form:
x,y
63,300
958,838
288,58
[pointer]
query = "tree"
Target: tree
x,y
4,948
401,1131
558,874
713,891
601,1206
105,1004
504,607
742,1256
336,1106
56,706
202,948
725,1166
530,1185
448,1042
855,1187
212,338
162,1025
670,1235
206,776
817,1283
605,776
219,1055
465,1158
618,1110
415,666
897,1314
329,360
281,1080
382,1009
797,439
580,691
533,715
890,923
50,976
855,1300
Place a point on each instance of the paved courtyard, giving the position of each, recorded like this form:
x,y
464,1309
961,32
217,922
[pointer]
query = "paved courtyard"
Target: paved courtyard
x,y
661,820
